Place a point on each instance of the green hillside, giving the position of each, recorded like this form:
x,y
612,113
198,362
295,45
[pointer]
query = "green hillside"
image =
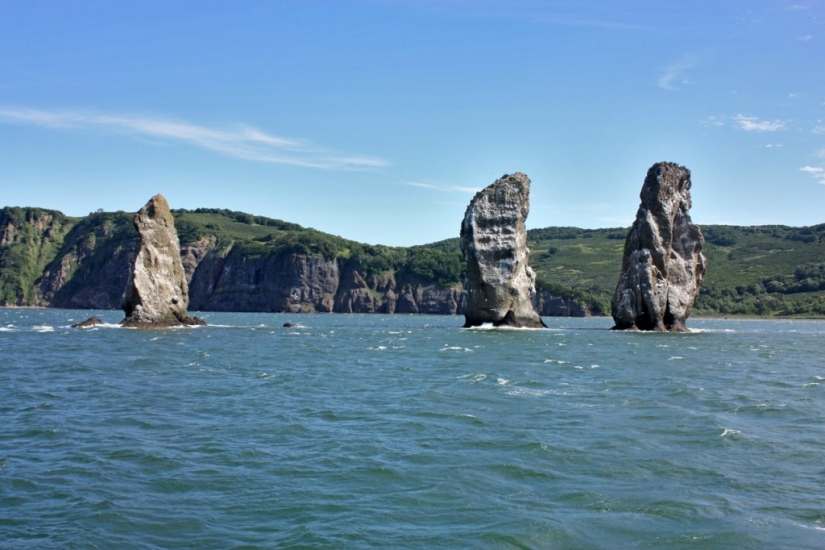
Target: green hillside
x,y
29,239
760,270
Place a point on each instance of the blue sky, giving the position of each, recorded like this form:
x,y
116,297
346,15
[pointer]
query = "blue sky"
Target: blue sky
x,y
377,120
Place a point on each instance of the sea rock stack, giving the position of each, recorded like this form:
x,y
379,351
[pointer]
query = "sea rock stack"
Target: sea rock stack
x,y
500,286
663,265
157,294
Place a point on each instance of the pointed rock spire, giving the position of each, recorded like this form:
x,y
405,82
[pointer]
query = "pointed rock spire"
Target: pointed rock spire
x,y
663,265
157,294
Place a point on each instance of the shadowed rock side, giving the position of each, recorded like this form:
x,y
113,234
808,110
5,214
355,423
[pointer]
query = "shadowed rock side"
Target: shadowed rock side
x,y
300,283
157,294
663,266
500,286
548,305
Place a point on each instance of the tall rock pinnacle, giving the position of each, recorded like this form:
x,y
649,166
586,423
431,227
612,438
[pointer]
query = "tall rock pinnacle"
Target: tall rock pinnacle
x,y
500,286
663,265
157,294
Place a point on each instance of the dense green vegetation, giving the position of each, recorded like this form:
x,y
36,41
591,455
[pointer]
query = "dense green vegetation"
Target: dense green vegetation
x,y
760,270
29,239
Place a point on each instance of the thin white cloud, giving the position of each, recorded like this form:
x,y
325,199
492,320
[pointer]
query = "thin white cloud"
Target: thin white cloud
x,y
819,129
806,38
714,121
773,145
673,73
821,153
816,171
245,142
753,124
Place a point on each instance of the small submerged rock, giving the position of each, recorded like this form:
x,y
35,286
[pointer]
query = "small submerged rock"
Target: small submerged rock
x,y
157,294
90,322
288,325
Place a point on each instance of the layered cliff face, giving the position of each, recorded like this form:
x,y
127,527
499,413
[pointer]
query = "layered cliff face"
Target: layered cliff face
x,y
157,294
500,287
228,280
663,265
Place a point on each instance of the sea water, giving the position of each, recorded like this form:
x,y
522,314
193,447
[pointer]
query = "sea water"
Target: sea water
x,y
405,431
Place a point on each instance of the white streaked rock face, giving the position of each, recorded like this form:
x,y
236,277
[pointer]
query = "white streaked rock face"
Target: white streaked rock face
x,y
500,286
157,294
663,265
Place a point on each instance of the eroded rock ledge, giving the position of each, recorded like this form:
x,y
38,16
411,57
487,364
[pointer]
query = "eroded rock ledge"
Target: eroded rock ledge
x,y
663,265
500,286
157,294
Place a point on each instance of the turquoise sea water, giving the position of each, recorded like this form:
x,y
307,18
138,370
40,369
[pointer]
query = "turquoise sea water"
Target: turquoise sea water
x,y
372,431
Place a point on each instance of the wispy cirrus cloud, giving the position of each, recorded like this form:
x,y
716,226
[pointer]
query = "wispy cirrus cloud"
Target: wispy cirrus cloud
x,y
816,171
673,73
244,142
445,188
753,124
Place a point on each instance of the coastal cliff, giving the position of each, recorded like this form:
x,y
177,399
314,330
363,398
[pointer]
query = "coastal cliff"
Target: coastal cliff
x,y
49,259
29,239
232,262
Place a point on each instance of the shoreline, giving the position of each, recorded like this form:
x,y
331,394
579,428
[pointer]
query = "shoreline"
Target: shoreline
x,y
694,317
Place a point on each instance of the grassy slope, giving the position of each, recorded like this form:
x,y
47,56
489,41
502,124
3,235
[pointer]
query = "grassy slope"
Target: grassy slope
x,y
740,261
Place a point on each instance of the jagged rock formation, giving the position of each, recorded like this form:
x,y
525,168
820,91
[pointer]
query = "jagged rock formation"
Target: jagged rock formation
x,y
157,294
663,265
500,287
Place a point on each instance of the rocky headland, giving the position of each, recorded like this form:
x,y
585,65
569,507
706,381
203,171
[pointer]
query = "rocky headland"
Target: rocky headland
x,y
500,286
663,265
157,293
